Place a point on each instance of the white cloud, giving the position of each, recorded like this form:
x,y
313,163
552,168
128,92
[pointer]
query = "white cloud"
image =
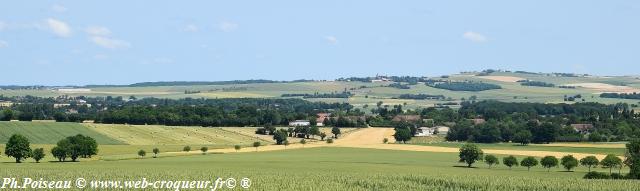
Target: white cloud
x,y
109,43
227,26
3,44
474,37
331,39
58,27
190,28
98,31
58,8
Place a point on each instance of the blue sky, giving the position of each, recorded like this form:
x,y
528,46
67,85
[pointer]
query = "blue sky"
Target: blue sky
x,y
121,42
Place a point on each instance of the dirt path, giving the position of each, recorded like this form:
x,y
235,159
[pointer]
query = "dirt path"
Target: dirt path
x,y
372,138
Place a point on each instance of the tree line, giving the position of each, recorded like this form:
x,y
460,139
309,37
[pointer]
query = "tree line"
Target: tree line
x,y
73,147
471,153
465,86
633,95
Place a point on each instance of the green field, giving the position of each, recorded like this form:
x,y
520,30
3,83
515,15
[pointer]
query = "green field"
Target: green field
x,y
50,132
324,169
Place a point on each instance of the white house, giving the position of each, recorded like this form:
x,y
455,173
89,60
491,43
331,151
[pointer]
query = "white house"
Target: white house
x,y
424,131
299,123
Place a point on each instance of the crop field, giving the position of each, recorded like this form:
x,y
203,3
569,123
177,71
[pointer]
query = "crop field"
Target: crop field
x,y
337,168
50,132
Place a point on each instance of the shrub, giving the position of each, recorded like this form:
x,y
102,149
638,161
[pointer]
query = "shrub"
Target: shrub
x,y
329,141
237,147
596,175
186,148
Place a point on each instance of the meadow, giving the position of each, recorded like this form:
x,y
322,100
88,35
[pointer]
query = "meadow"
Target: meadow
x,y
325,168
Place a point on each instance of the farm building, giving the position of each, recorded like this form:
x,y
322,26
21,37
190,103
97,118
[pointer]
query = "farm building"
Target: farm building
x,y
299,123
321,118
442,130
425,131
582,128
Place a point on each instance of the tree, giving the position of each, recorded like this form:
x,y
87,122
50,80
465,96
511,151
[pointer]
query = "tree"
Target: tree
x,y
60,153
491,160
548,162
285,143
529,162
25,116
237,147
314,130
470,153
522,137
611,161
204,150
329,141
142,153
155,152
335,131
256,145
303,142
402,134
7,115
633,159
280,136
569,162
589,161
186,148
510,161
385,140
18,148
322,136
74,147
38,154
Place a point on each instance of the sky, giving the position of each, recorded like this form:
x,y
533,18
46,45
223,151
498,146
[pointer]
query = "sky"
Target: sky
x,y
122,41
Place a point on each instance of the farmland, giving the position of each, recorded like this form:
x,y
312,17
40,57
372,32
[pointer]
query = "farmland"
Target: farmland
x,y
338,168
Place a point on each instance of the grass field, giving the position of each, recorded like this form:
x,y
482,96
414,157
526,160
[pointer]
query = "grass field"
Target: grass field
x,y
324,169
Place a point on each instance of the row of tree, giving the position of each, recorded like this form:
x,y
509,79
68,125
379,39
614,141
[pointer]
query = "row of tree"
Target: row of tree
x,y
471,153
465,86
74,147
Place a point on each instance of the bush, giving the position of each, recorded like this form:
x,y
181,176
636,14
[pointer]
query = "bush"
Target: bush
x,y
596,175
329,141
617,176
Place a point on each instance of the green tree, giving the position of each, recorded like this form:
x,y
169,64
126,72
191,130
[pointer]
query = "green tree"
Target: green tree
x,y
569,162
186,148
523,137
256,145
204,150
303,142
589,161
142,153
38,154
548,162
280,136
611,161
59,153
322,136
7,115
491,160
156,151
402,134
18,148
237,147
529,162
314,130
385,140
336,132
633,159
470,153
285,143
510,161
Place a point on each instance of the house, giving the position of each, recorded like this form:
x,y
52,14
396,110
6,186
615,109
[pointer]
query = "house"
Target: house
x,y
411,118
582,128
299,123
321,118
478,121
6,104
442,130
425,131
